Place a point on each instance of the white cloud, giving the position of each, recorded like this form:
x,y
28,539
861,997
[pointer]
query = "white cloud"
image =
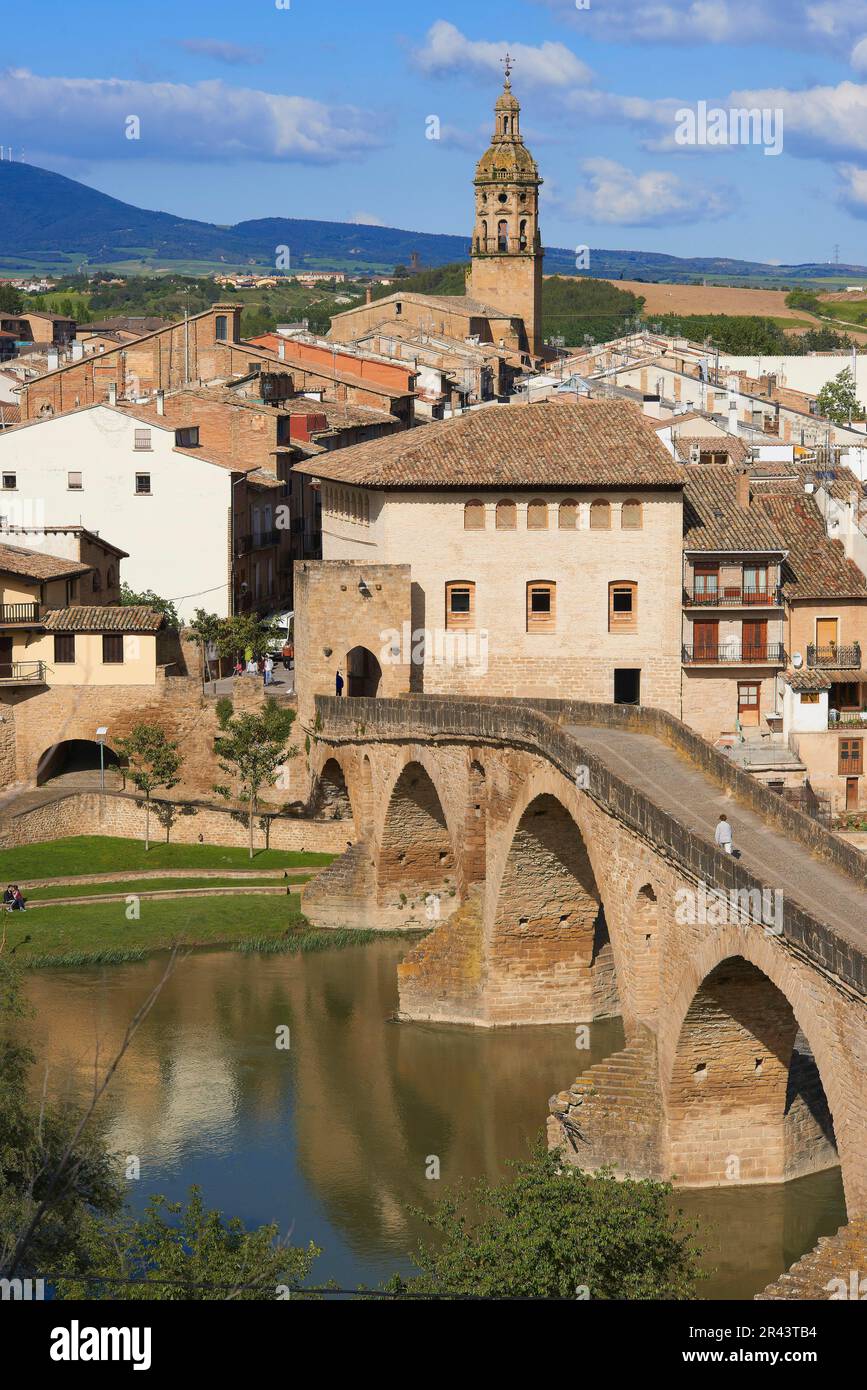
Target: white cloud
x,y
235,54
201,122
852,194
447,50
833,25
366,219
613,194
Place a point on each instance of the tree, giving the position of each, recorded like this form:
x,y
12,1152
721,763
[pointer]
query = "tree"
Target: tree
x,y
249,749
246,631
206,628
148,599
10,300
154,761
183,1251
838,400
554,1232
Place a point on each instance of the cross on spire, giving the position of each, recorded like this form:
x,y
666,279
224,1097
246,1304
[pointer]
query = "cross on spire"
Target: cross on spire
x,y
509,63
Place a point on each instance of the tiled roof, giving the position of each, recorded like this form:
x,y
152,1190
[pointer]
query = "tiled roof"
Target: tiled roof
x,y
807,678
714,520
711,444
449,303
34,564
817,566
554,443
134,618
9,414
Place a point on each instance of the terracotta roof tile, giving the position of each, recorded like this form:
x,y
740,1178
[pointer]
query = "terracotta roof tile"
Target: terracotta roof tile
x,y
554,443
34,564
714,521
817,566
134,618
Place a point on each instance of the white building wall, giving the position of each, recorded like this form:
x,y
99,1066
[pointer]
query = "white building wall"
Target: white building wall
x,y
177,537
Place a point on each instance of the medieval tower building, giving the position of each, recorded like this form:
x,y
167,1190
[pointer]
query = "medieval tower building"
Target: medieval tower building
x,y
506,267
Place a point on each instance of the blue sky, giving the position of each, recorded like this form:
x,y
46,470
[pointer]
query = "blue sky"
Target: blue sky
x,y
319,110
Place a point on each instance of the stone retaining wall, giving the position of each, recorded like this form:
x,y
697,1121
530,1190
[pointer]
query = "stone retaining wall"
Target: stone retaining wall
x,y
123,814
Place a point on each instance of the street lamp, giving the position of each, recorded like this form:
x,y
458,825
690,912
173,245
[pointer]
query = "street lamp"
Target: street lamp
x,y
100,738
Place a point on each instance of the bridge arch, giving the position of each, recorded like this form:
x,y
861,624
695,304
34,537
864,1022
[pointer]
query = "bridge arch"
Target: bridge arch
x,y
550,955
331,798
751,1089
416,857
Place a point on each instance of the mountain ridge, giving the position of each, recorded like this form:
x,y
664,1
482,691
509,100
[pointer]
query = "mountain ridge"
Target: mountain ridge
x,y
49,221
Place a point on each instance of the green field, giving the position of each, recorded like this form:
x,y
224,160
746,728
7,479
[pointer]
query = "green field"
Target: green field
x,y
102,854
87,931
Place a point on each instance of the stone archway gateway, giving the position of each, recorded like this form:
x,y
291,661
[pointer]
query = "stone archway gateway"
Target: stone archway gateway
x,y
363,672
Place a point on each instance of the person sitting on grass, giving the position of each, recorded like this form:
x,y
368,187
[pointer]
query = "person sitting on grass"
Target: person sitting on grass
x,y
16,898
8,898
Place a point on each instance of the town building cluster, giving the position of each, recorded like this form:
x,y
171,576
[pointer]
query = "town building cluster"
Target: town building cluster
x,y
448,506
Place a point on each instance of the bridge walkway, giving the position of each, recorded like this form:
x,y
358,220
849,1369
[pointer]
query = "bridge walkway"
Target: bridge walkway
x,y
695,800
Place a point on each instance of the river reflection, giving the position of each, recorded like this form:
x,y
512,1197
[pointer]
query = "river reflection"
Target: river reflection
x,y
331,1138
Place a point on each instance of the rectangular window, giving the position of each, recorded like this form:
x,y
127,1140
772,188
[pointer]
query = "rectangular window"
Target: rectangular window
x,y
142,440
10,482
541,607
143,484
706,587
622,607
64,648
187,438
112,649
851,762
74,482
809,697
460,605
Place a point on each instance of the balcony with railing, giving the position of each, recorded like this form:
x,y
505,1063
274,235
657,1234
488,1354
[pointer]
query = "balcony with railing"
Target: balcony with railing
x,y
735,653
840,657
22,672
732,596
19,614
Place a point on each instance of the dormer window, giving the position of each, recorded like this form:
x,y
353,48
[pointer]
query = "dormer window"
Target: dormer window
x,y
187,438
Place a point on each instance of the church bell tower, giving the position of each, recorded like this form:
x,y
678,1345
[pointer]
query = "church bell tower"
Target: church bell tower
x,y
506,252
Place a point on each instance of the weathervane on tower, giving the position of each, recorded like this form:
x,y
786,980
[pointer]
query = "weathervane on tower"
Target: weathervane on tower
x,y
509,63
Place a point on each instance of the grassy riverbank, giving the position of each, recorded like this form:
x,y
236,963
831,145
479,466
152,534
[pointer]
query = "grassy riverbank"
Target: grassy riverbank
x,y
93,932
73,889
100,854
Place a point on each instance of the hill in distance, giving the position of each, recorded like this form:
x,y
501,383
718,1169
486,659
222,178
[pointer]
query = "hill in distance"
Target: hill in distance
x,y
52,223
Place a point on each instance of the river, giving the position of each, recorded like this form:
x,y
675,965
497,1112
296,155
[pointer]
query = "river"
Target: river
x,y
332,1136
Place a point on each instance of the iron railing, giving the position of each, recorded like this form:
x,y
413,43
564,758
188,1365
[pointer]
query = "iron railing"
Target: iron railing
x,y
846,657
19,612
732,653
732,596
20,672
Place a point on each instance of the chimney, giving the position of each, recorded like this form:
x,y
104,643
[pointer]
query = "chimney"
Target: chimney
x,y
112,393
161,402
368,295
743,488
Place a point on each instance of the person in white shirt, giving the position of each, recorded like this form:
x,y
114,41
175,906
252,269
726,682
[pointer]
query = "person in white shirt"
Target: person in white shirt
x,y
723,835
269,670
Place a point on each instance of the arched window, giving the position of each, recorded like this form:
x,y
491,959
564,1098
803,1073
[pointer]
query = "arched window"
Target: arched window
x,y
537,515
460,604
484,233
503,236
630,515
622,606
97,581
568,514
474,515
109,578
507,515
600,515
523,233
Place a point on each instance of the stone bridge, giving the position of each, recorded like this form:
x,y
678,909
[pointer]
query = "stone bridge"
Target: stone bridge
x,y
563,855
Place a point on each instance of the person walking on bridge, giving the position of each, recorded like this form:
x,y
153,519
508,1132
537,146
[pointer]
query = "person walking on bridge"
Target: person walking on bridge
x,y
723,835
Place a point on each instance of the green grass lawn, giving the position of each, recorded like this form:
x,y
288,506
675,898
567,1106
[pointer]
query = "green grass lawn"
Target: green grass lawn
x,y
100,931
101,854
154,885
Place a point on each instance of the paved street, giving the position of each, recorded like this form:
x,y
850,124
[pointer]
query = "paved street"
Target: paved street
x,y
696,801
